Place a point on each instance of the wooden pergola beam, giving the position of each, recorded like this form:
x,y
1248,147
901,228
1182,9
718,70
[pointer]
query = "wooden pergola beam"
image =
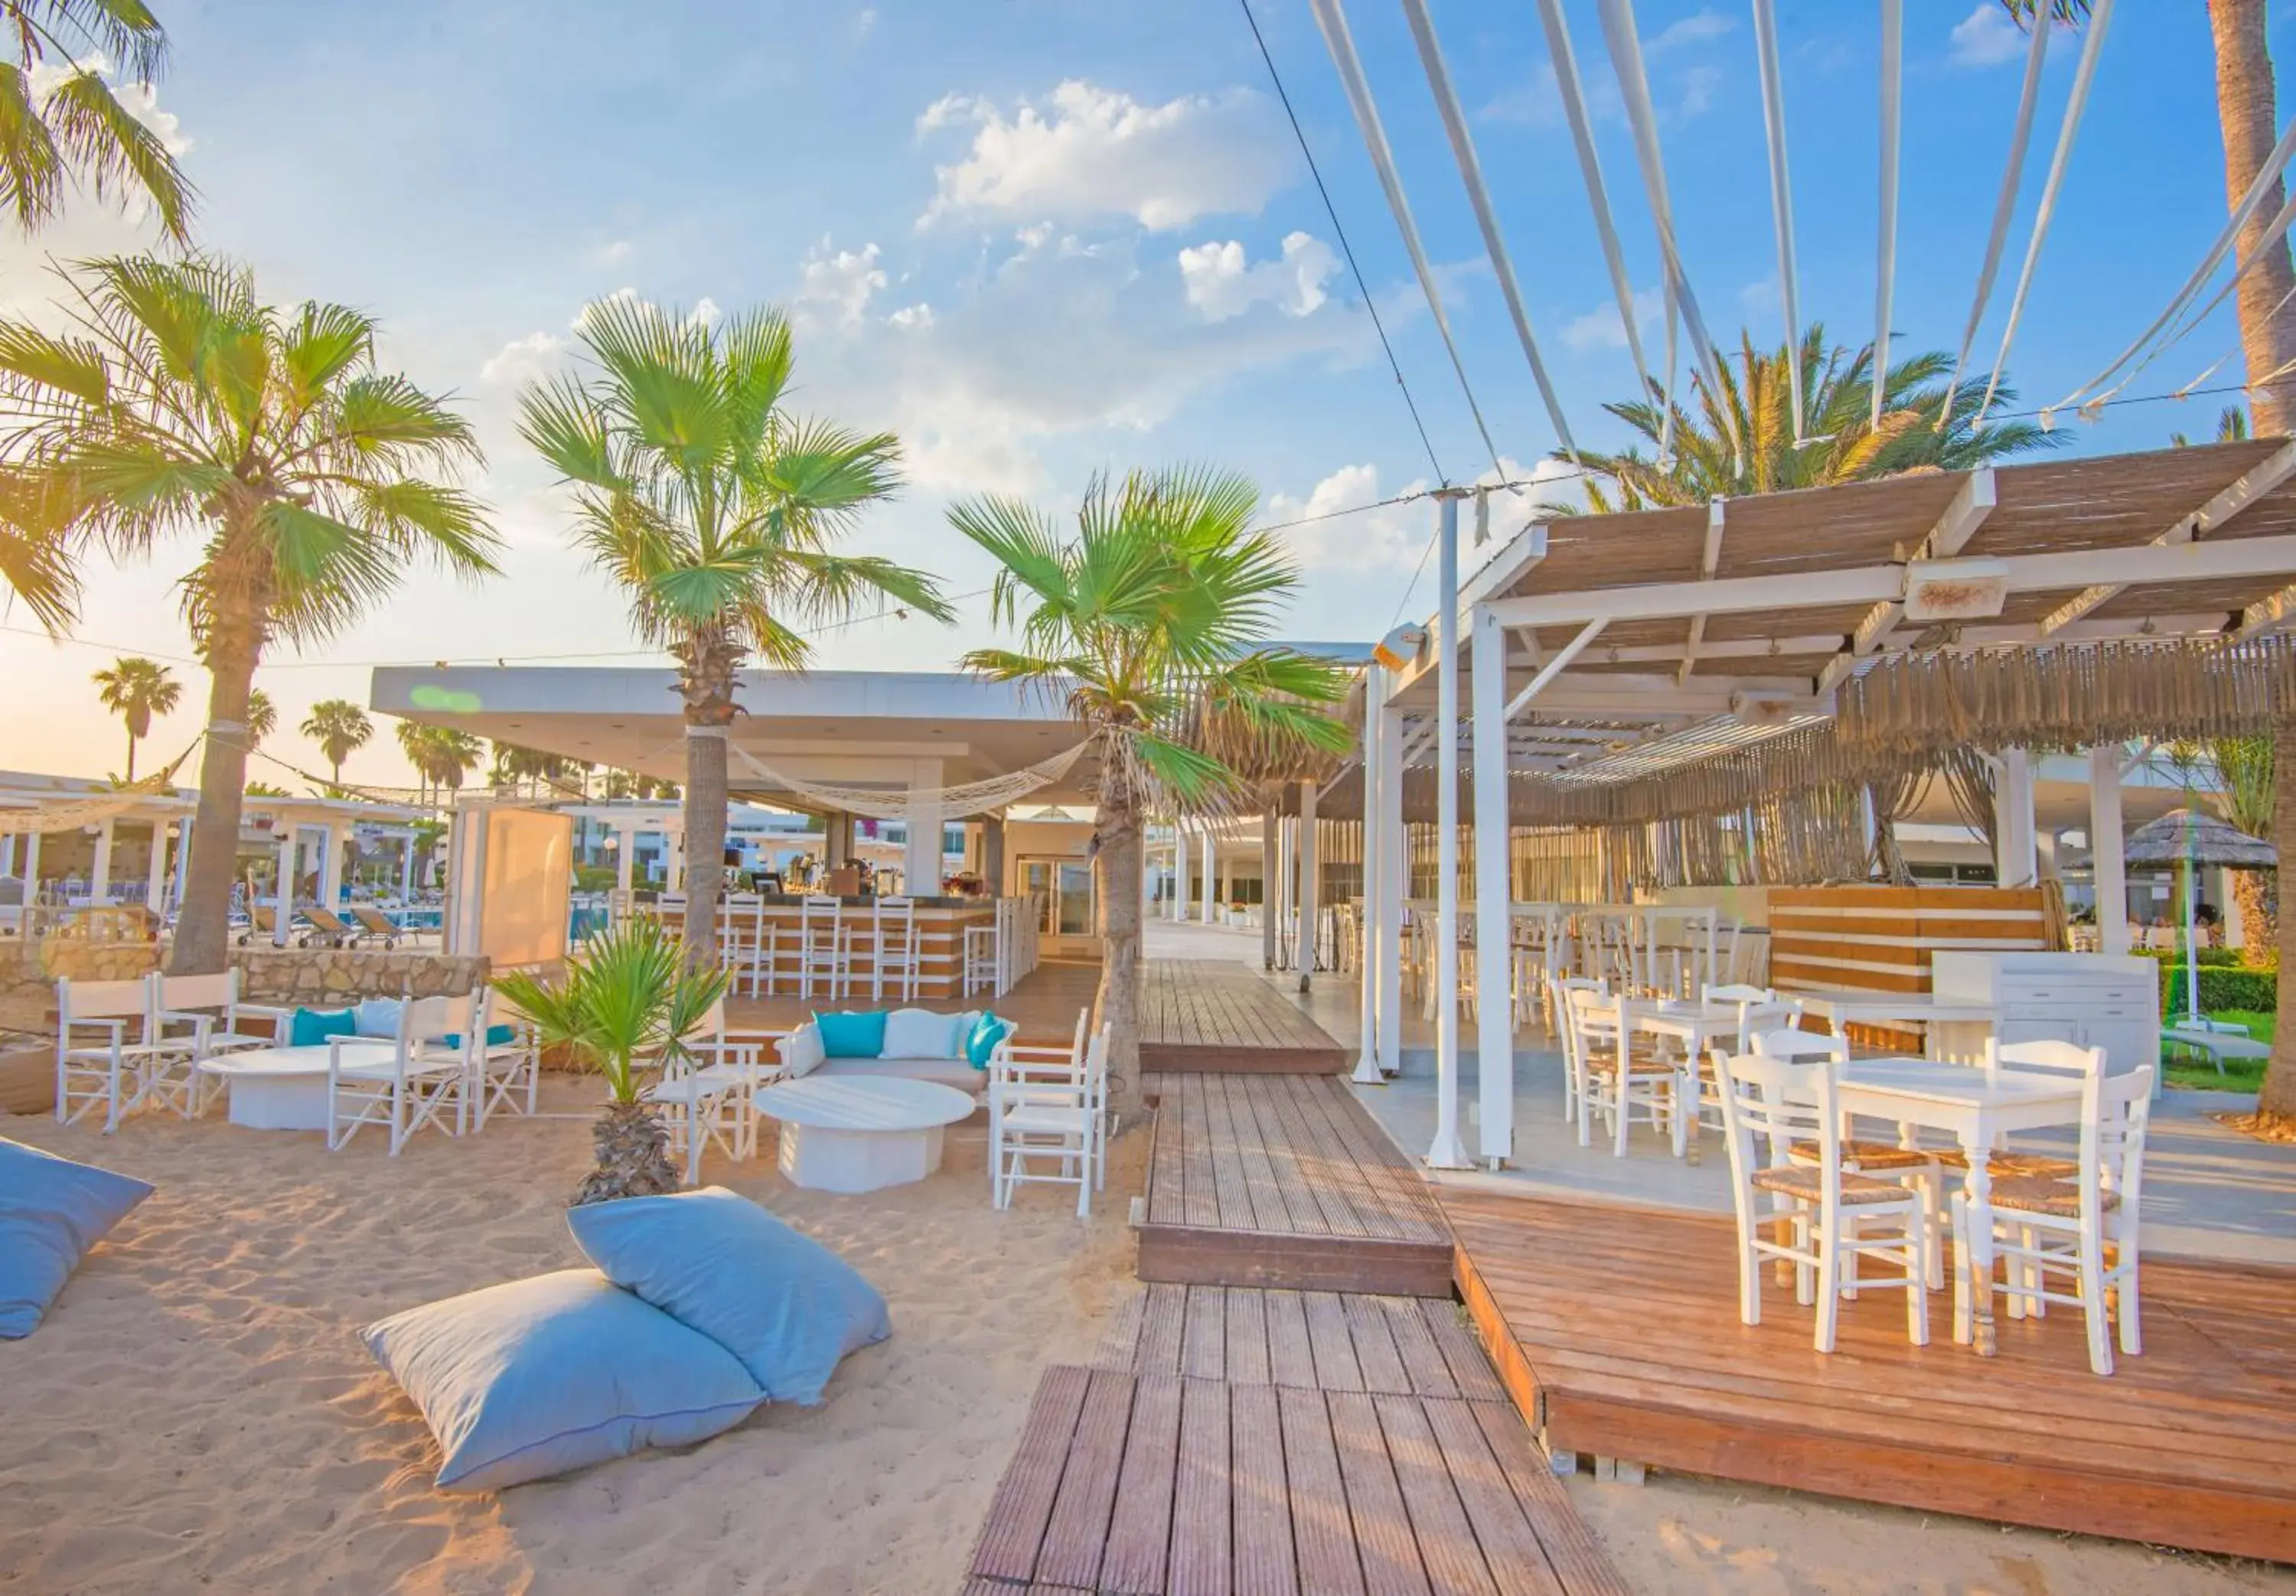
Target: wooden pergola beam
x,y
1963,517
1710,559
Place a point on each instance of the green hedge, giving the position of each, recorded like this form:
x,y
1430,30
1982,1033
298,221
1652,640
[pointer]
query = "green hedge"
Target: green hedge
x,y
2208,955
2257,991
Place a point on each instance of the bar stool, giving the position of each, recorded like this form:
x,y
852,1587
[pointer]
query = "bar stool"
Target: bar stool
x,y
821,947
896,951
980,958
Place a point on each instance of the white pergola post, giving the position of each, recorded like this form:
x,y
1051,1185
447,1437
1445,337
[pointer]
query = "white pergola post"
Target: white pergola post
x,y
2016,861
32,879
1494,927
625,856
99,875
8,854
1311,906
1268,824
921,859
155,873
282,901
182,857
1395,889
1375,946
1206,882
1183,882
673,868
331,867
406,864
1286,899
2104,844
1447,1152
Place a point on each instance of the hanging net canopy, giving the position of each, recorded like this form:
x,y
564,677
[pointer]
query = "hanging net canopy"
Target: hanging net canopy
x,y
88,809
904,803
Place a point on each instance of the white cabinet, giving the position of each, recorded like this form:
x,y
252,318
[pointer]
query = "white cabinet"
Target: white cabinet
x,y
2086,999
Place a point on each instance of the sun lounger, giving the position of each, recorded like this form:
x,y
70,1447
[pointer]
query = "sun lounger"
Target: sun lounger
x,y
2220,1041
377,924
328,927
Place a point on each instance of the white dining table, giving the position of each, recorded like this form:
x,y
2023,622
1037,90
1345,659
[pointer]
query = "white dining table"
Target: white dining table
x,y
1843,1009
1960,1101
1694,1026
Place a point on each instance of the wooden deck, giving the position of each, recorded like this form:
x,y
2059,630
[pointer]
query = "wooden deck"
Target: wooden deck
x,y
1616,1332
1283,1180
1277,1443
1215,1014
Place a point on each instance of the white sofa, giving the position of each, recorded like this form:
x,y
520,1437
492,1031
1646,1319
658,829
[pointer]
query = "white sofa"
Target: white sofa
x,y
912,1036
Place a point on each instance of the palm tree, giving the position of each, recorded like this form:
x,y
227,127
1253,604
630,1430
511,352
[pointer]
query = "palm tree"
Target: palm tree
x,y
1740,440
629,999
2244,781
414,738
63,122
2232,427
1151,625
717,510
262,716
135,689
341,728
175,402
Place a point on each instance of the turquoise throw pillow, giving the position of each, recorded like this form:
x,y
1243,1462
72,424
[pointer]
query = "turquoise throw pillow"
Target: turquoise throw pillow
x,y
987,1032
852,1035
497,1035
311,1028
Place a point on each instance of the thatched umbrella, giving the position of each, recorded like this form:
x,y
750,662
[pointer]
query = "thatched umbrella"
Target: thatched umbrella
x,y
2192,837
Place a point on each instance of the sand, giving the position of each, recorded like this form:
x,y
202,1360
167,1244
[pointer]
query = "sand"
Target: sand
x,y
198,1415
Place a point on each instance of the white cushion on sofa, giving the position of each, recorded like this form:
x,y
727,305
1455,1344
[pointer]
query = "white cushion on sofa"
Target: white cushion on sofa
x,y
802,1050
940,1072
919,1033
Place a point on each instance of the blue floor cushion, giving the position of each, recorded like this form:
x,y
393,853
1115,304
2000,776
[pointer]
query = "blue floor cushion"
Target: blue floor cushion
x,y
785,1306
52,1211
528,1379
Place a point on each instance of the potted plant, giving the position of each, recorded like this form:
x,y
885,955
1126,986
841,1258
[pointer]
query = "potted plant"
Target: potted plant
x,y
626,1003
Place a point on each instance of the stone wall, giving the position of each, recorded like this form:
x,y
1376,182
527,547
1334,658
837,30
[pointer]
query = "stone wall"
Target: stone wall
x,y
310,976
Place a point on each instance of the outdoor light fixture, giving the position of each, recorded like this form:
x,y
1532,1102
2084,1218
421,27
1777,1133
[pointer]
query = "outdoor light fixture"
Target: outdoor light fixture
x,y
1953,590
1400,647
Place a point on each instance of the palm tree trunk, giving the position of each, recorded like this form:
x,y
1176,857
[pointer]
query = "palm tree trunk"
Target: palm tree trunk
x,y
131,758
2259,926
1116,858
709,660
2245,108
2277,1099
203,920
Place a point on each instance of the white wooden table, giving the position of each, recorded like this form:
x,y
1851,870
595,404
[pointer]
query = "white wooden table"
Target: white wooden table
x,y
1843,1009
859,1133
1694,1026
1959,1100
282,1088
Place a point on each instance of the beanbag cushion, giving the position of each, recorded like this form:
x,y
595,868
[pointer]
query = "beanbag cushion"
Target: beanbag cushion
x,y
853,1036
785,1306
527,1379
311,1028
919,1033
52,1211
987,1033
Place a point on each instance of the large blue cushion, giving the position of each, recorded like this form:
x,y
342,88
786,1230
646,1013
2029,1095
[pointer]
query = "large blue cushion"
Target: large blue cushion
x,y
52,1211
785,1306
852,1035
524,1380
378,1016
988,1032
311,1028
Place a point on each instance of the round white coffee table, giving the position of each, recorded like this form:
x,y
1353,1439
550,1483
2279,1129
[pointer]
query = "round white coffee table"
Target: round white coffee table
x,y
862,1132
282,1088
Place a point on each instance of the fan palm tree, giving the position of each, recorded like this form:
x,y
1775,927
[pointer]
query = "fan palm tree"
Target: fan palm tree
x,y
175,402
2244,781
717,511
2232,427
61,123
1151,625
629,1000
341,728
262,716
1740,440
135,689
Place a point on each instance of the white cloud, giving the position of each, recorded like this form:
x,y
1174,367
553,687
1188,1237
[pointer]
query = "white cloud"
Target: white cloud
x,y
521,360
1091,152
866,23
1221,282
141,101
911,318
1601,328
1335,535
705,313
612,252
582,316
1701,28
1987,38
843,280
1680,90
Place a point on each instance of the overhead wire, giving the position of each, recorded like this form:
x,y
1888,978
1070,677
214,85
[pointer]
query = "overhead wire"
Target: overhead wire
x,y
1471,173
1341,233
2004,210
1333,22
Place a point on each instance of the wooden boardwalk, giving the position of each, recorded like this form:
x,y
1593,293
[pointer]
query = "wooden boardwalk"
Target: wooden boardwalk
x,y
1282,1444
1272,1180
1216,1014
1616,1332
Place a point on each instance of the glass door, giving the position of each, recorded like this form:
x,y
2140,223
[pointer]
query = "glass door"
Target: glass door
x,y
1063,891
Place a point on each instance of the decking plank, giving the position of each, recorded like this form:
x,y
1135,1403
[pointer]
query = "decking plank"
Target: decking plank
x,y
1078,1530
1247,1337
1291,1351
1447,1546
1323,1531
1576,1557
1516,1561
1203,1542
1163,1324
1333,1344
1015,1529
1140,1526
1376,1356
1384,1540
1263,1561
1204,1344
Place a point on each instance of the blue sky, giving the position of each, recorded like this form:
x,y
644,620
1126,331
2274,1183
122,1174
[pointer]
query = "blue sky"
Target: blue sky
x,y
1039,240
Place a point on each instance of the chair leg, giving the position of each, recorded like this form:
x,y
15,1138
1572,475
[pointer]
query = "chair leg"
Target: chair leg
x,y
1749,1281
1829,1294
1961,1298
2092,1295
1918,1268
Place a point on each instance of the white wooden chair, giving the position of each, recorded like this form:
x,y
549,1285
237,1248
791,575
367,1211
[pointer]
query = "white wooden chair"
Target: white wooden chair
x,y
504,1076
1748,1012
1770,1106
1050,1112
117,1070
711,1092
894,933
1559,995
820,946
2085,1230
415,1085
982,960
1613,1080
210,1005
745,943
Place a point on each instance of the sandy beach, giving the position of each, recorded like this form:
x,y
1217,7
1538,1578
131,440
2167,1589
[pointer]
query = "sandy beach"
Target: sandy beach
x,y
197,1412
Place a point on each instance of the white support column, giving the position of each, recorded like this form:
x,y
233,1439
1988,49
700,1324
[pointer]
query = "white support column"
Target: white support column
x,y
330,868
406,864
1494,923
283,900
1447,1152
182,857
8,854
2016,858
1207,876
1311,904
1268,824
1370,968
1287,898
2104,844
155,874
1227,883
920,860
1395,887
673,868
32,879
99,875
625,856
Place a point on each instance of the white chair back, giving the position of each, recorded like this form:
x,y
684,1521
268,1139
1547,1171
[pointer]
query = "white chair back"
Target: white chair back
x,y
103,1000
2047,1056
1767,1105
1798,1046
